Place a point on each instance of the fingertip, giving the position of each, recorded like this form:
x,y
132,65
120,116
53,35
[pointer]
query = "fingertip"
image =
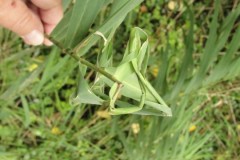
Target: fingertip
x,y
47,42
34,38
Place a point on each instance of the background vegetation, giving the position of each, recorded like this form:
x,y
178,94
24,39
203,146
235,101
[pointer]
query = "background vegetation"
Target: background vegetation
x,y
194,65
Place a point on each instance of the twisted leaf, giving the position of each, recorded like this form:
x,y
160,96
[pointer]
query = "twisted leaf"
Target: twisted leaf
x,y
131,72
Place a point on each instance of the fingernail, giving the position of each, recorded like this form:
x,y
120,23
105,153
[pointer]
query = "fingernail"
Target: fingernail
x,y
34,38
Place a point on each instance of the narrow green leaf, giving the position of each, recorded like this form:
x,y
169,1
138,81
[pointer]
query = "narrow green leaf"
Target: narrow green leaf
x,y
84,95
83,15
26,111
112,22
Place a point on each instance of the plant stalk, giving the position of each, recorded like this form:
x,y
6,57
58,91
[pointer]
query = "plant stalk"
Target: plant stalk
x,y
83,61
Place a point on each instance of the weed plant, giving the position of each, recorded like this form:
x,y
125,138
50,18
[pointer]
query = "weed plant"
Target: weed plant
x,y
54,107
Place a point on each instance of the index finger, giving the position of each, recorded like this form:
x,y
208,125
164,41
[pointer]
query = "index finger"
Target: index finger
x,y
51,12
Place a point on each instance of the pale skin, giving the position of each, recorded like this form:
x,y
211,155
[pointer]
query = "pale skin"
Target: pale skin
x,y
30,19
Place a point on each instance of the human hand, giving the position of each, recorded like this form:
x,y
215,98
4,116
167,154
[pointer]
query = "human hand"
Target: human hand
x,y
30,19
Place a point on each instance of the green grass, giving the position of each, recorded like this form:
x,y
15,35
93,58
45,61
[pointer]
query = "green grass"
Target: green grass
x,y
193,64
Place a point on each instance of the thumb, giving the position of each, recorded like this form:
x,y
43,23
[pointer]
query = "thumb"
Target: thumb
x,y
16,16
